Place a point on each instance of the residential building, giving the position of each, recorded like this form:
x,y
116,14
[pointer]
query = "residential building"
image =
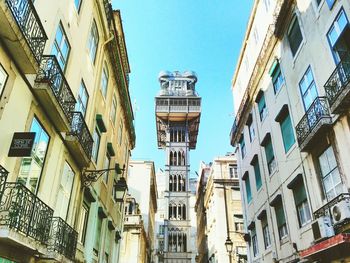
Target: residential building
x,y
201,214
223,209
292,130
64,102
142,186
177,110
135,243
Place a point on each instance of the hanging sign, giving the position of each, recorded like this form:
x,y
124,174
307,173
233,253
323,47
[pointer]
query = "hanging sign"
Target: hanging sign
x,y
22,144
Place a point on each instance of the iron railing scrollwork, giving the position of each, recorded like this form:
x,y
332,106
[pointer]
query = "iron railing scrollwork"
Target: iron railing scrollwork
x,y
23,211
63,238
29,22
317,111
338,81
81,131
50,72
3,178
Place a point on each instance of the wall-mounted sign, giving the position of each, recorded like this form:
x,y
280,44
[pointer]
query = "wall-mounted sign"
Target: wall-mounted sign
x,y
22,144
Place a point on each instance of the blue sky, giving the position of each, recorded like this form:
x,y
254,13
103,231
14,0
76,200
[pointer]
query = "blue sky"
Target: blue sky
x,y
204,36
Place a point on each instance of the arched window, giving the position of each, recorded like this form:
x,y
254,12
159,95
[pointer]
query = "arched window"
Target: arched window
x,y
175,159
183,158
170,183
175,185
171,157
179,158
171,135
183,212
183,185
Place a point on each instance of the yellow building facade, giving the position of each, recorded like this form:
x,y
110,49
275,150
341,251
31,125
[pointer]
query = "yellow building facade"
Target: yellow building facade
x,y
65,112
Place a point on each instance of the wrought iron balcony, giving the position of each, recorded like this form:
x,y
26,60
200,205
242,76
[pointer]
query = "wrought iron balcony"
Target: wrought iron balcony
x,y
3,178
316,119
79,139
338,86
53,91
19,18
24,212
63,238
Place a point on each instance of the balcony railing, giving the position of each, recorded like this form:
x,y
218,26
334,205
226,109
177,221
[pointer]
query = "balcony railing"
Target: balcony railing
x,y
81,131
63,238
3,178
50,72
29,22
337,87
315,117
24,212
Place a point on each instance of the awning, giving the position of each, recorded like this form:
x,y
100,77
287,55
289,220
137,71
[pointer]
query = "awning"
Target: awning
x,y
332,248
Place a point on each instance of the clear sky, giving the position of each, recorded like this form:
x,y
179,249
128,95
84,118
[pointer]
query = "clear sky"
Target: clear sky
x,y
200,35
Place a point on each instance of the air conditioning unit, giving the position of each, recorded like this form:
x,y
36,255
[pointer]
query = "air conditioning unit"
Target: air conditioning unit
x,y
322,228
340,211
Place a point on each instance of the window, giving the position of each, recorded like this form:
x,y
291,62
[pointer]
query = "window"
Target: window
x,y
61,47
104,80
277,77
254,242
3,79
330,3
308,89
301,203
83,220
331,180
247,188
32,166
238,220
232,171
77,4
106,165
257,173
281,220
93,41
338,37
266,232
97,137
287,132
177,240
161,229
295,36
120,133
242,144
318,2
97,235
64,191
82,99
270,157
251,128
262,106
113,113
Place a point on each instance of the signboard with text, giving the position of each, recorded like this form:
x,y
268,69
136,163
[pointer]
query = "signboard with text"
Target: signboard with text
x,y
22,144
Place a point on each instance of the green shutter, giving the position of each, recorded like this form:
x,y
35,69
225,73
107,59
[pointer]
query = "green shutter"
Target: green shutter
x,y
248,190
287,133
273,68
261,102
281,220
276,73
299,193
269,151
257,174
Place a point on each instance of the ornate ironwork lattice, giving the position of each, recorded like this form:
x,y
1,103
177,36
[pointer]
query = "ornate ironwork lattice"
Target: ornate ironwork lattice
x,y
23,211
29,22
50,72
3,178
63,238
338,81
81,131
317,111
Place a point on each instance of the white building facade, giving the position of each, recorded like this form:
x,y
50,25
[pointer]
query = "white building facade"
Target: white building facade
x,y
290,96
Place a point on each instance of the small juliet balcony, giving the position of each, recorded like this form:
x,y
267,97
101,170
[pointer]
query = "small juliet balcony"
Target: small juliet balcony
x,y
337,88
79,139
314,123
54,93
22,33
23,214
63,238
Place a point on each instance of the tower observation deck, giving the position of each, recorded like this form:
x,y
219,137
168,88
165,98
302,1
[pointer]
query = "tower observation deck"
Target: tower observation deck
x,y
178,110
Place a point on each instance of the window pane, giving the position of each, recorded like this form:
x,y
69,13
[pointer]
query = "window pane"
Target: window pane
x,y
280,215
342,21
64,191
248,190
294,36
82,99
96,145
257,175
287,133
61,47
31,167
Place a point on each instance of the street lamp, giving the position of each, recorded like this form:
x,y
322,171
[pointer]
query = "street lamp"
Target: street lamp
x,y
120,189
229,245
